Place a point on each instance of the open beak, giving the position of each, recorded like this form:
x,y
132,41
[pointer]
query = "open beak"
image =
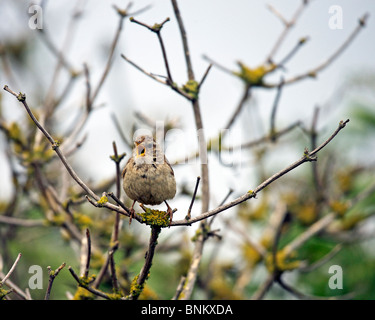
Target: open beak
x,y
140,150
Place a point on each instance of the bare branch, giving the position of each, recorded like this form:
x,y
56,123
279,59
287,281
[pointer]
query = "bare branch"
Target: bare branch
x,y
323,260
287,27
204,76
192,274
110,58
313,72
245,97
188,216
143,274
184,40
21,222
310,232
87,287
52,276
88,255
179,289
274,109
5,278
303,296
55,146
307,157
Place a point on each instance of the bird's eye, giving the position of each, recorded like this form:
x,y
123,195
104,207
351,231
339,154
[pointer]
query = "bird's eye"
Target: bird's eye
x,y
141,151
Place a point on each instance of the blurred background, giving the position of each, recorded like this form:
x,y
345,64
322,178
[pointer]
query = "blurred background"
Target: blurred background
x,y
225,32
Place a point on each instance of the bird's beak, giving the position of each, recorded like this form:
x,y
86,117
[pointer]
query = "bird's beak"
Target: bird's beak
x,y
141,151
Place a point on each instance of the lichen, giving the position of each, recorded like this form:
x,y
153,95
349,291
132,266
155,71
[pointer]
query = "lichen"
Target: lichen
x,y
283,261
251,192
339,207
254,76
85,281
3,293
103,200
21,97
191,88
83,294
118,158
135,287
117,295
83,220
56,144
57,220
155,218
251,255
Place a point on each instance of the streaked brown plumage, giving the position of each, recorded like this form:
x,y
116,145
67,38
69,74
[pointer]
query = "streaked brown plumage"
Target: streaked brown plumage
x,y
148,178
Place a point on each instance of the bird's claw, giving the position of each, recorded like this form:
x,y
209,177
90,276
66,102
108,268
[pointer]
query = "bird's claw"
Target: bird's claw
x,y
169,213
131,216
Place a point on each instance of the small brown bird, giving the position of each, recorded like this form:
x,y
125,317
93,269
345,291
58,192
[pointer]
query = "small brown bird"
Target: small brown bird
x,y
148,177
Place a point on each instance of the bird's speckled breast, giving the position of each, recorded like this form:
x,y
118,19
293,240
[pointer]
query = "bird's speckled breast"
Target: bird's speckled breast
x,y
149,184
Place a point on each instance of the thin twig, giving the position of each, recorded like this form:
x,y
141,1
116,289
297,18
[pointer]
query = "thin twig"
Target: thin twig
x,y
116,227
110,57
246,95
142,70
88,254
5,278
184,40
173,86
122,205
342,125
239,231
52,276
264,288
230,191
313,72
156,28
88,88
22,222
313,133
291,54
192,274
315,228
278,221
55,146
277,14
274,109
322,260
188,216
87,287
117,159
119,130
287,27
14,288
204,76
307,157
104,267
265,138
303,296
61,62
276,241
217,64
115,283
179,289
